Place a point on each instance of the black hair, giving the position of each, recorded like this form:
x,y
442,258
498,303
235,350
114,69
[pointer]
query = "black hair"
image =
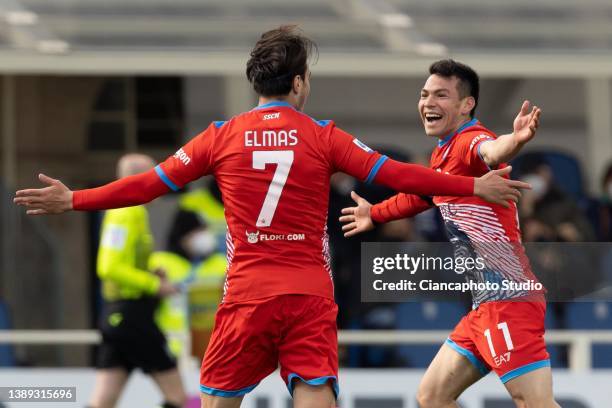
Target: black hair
x,y
469,83
277,58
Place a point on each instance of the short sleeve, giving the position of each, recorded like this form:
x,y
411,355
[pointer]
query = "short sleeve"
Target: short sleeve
x,y
349,155
190,162
471,150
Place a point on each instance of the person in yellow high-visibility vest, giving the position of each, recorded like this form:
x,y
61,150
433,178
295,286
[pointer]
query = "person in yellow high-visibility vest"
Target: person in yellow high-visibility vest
x,y
198,228
130,337
206,204
198,234
205,294
171,315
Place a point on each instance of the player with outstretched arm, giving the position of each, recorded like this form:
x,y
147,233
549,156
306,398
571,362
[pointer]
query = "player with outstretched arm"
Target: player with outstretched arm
x,y
505,330
273,165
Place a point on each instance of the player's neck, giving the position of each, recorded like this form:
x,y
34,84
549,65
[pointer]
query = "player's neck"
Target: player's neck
x,y
457,128
263,100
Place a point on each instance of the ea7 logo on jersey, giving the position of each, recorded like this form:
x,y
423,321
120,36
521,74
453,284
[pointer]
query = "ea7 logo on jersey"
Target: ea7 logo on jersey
x,y
271,116
182,156
252,237
362,146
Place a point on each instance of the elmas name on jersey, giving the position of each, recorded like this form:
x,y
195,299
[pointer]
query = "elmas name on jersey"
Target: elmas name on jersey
x,y
270,138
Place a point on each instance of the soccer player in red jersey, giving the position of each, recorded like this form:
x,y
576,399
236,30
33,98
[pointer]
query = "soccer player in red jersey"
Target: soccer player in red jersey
x,y
273,165
504,331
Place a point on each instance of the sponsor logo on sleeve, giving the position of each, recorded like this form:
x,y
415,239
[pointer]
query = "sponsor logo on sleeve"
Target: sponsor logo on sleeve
x,y
478,139
362,145
182,156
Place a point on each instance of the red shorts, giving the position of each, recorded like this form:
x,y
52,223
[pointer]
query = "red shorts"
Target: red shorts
x,y
504,336
252,338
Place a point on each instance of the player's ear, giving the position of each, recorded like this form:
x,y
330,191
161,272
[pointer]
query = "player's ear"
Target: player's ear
x,y
468,104
297,84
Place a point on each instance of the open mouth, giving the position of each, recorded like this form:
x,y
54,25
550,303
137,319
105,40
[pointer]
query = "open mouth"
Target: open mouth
x,y
432,117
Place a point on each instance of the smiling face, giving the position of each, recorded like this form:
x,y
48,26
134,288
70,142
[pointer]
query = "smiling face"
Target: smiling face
x,y
442,107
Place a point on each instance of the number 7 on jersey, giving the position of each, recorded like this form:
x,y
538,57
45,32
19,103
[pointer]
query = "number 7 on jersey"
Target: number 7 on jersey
x,y
283,160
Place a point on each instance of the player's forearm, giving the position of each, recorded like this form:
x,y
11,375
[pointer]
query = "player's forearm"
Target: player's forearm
x,y
420,180
397,207
500,150
126,192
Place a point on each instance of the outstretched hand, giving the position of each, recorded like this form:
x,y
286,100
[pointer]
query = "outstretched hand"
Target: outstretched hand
x,y
356,219
56,198
526,123
495,188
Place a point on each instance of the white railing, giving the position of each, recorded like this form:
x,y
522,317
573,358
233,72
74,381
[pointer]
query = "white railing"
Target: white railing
x,y
579,341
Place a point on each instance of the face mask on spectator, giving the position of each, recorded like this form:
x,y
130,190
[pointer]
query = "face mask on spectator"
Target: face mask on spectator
x,y
201,244
539,187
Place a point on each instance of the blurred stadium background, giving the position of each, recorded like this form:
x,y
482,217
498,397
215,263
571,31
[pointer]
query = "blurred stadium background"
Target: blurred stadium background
x,y
84,81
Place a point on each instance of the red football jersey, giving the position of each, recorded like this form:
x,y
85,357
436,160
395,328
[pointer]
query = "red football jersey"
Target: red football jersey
x,y
472,224
273,165
482,221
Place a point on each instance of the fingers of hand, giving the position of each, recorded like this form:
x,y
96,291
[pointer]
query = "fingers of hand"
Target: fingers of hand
x,y
349,210
28,201
514,196
39,211
525,107
535,114
347,218
348,227
47,180
519,184
504,203
351,233
37,192
503,172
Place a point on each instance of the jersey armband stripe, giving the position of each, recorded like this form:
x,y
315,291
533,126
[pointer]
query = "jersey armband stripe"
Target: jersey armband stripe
x,y
381,160
165,179
480,154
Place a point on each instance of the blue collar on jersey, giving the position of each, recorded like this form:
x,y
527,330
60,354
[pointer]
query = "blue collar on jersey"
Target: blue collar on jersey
x,y
446,139
274,104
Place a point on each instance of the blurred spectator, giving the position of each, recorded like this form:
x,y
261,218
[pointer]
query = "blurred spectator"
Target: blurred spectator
x,y
198,228
381,316
345,265
604,229
547,212
198,235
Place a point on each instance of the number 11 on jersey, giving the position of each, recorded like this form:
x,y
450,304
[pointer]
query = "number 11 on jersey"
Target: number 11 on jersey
x,y
283,160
